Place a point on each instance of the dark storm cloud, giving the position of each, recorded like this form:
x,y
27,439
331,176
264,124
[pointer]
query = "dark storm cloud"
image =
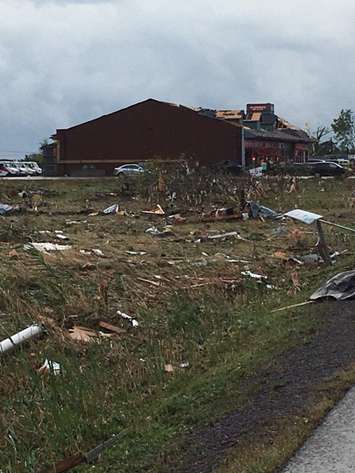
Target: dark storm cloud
x,y
62,62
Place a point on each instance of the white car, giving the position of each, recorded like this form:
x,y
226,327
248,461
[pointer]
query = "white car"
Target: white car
x,y
128,169
26,169
11,169
3,171
35,168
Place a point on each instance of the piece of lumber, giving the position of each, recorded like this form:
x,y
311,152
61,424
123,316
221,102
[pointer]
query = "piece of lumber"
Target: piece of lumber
x,y
66,464
293,306
112,328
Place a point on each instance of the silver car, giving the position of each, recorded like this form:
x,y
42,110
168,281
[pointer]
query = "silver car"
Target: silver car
x,y
128,169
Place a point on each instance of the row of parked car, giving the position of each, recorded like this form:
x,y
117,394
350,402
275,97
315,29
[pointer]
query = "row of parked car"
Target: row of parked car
x,y
19,168
323,167
311,167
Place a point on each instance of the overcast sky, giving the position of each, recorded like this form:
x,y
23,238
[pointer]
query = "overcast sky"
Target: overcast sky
x,y
67,61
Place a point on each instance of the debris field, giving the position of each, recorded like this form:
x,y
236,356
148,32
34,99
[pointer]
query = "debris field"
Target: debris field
x,y
115,295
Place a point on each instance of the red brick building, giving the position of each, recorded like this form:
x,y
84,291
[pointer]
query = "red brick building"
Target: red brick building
x,y
149,130
266,135
281,145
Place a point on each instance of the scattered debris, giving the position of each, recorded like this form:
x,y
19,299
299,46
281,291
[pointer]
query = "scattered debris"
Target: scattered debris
x,y
310,217
82,334
160,234
293,185
224,212
75,222
176,219
113,209
5,209
98,252
133,321
112,328
103,195
293,306
13,254
256,172
295,278
153,283
51,367
94,252
279,254
15,340
59,234
340,287
303,216
312,258
157,211
136,253
169,368
88,457
258,277
46,247
222,236
256,210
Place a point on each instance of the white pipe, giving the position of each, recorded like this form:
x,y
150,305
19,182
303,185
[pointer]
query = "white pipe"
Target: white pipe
x,y
20,337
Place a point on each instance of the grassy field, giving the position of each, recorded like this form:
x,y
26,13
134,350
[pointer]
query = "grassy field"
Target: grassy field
x,y
203,326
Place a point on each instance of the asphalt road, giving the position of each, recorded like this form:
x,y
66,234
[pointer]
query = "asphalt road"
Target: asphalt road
x,y
331,449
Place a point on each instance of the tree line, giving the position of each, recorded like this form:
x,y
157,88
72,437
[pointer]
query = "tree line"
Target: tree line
x,y
339,137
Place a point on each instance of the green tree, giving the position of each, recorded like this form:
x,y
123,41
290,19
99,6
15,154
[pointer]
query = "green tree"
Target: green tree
x,y
38,157
344,132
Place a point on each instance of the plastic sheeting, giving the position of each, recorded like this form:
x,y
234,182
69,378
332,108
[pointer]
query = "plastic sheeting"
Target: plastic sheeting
x,y
5,209
340,287
257,210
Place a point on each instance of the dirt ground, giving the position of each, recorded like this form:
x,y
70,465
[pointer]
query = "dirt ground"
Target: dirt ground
x,y
285,389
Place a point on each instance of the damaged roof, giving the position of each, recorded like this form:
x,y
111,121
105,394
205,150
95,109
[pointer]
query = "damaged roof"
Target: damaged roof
x,y
286,135
230,114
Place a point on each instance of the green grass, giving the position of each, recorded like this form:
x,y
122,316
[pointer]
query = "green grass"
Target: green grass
x,y
226,333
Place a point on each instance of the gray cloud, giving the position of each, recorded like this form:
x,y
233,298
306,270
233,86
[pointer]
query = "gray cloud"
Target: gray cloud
x,y
63,62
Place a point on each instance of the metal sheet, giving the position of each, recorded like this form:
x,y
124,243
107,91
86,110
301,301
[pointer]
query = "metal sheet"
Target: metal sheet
x,y
303,216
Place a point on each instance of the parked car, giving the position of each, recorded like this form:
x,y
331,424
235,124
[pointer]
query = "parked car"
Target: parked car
x,y
326,169
345,163
23,169
315,160
26,167
128,169
3,171
11,169
37,170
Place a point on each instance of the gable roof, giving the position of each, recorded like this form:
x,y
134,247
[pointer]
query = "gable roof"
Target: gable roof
x,y
150,100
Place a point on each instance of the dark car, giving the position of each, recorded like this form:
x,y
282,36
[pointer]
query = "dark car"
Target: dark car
x,y
326,169
316,160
